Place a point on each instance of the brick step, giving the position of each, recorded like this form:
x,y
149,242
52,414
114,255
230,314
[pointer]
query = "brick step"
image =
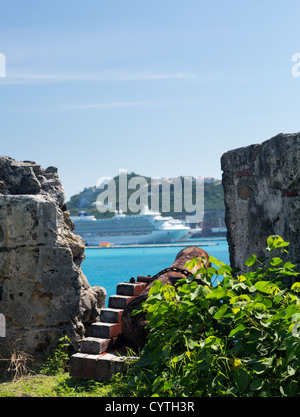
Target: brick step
x,y
119,301
105,330
98,358
111,315
102,366
128,288
96,345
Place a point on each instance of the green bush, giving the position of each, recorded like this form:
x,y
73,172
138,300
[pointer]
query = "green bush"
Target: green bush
x,y
238,338
58,360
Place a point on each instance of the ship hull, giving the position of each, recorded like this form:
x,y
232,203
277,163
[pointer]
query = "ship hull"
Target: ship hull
x,y
146,228
157,236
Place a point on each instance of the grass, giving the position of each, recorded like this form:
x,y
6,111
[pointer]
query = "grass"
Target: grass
x,y
59,385
53,378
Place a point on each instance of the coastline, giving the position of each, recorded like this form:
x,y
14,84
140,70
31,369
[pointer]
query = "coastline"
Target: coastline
x,y
154,245
198,242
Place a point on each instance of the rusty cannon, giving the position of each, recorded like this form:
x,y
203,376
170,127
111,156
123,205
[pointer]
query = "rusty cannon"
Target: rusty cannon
x,y
134,326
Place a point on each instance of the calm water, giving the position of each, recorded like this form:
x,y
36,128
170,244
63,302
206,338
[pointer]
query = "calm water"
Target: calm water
x,y
108,267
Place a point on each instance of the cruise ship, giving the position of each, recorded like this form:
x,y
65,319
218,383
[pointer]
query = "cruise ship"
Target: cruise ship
x,y
145,228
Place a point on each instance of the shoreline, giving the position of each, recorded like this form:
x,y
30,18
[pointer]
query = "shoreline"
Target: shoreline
x,y
154,245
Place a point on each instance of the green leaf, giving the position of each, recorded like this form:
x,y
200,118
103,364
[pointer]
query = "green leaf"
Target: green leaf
x,y
155,287
289,265
196,292
241,379
268,303
275,242
291,389
220,313
268,362
259,368
291,370
261,285
296,286
211,270
237,329
266,287
225,270
257,305
215,261
191,264
251,261
296,317
191,343
276,261
212,310
217,293
257,384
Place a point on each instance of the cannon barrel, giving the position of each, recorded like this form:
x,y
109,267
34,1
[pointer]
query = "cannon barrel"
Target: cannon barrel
x,y
134,326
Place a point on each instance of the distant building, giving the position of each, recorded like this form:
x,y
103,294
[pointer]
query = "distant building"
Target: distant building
x,y
208,180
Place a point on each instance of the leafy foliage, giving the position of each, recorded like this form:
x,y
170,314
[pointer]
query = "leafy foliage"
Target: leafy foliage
x,y
58,360
240,337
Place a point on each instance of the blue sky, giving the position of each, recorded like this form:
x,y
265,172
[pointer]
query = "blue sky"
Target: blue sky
x,y
157,87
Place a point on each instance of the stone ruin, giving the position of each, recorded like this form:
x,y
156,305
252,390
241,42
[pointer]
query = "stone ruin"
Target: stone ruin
x,y
262,197
44,294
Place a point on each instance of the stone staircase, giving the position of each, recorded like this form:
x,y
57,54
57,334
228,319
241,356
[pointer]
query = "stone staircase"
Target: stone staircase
x,y
103,353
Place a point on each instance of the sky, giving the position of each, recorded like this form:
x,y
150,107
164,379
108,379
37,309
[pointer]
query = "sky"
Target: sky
x,y
161,88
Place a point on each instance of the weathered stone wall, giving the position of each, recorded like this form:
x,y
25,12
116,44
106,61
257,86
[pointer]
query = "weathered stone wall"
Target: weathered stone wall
x,y
43,292
262,197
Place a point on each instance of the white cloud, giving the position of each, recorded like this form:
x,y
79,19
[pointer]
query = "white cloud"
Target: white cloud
x,y
112,105
14,77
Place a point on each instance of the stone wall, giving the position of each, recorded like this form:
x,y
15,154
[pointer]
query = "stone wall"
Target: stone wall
x,y
262,197
43,292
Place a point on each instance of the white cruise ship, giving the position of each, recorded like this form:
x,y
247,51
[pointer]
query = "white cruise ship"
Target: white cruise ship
x,y
145,228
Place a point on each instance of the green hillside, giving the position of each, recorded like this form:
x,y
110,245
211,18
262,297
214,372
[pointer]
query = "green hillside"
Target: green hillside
x,y
213,201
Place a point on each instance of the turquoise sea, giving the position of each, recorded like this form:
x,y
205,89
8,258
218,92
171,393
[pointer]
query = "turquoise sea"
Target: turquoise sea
x,y
108,267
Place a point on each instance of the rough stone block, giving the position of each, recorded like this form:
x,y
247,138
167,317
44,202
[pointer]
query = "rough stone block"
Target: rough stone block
x,y
42,285
89,365
262,197
101,367
94,345
109,364
119,301
131,289
105,330
111,315
76,364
